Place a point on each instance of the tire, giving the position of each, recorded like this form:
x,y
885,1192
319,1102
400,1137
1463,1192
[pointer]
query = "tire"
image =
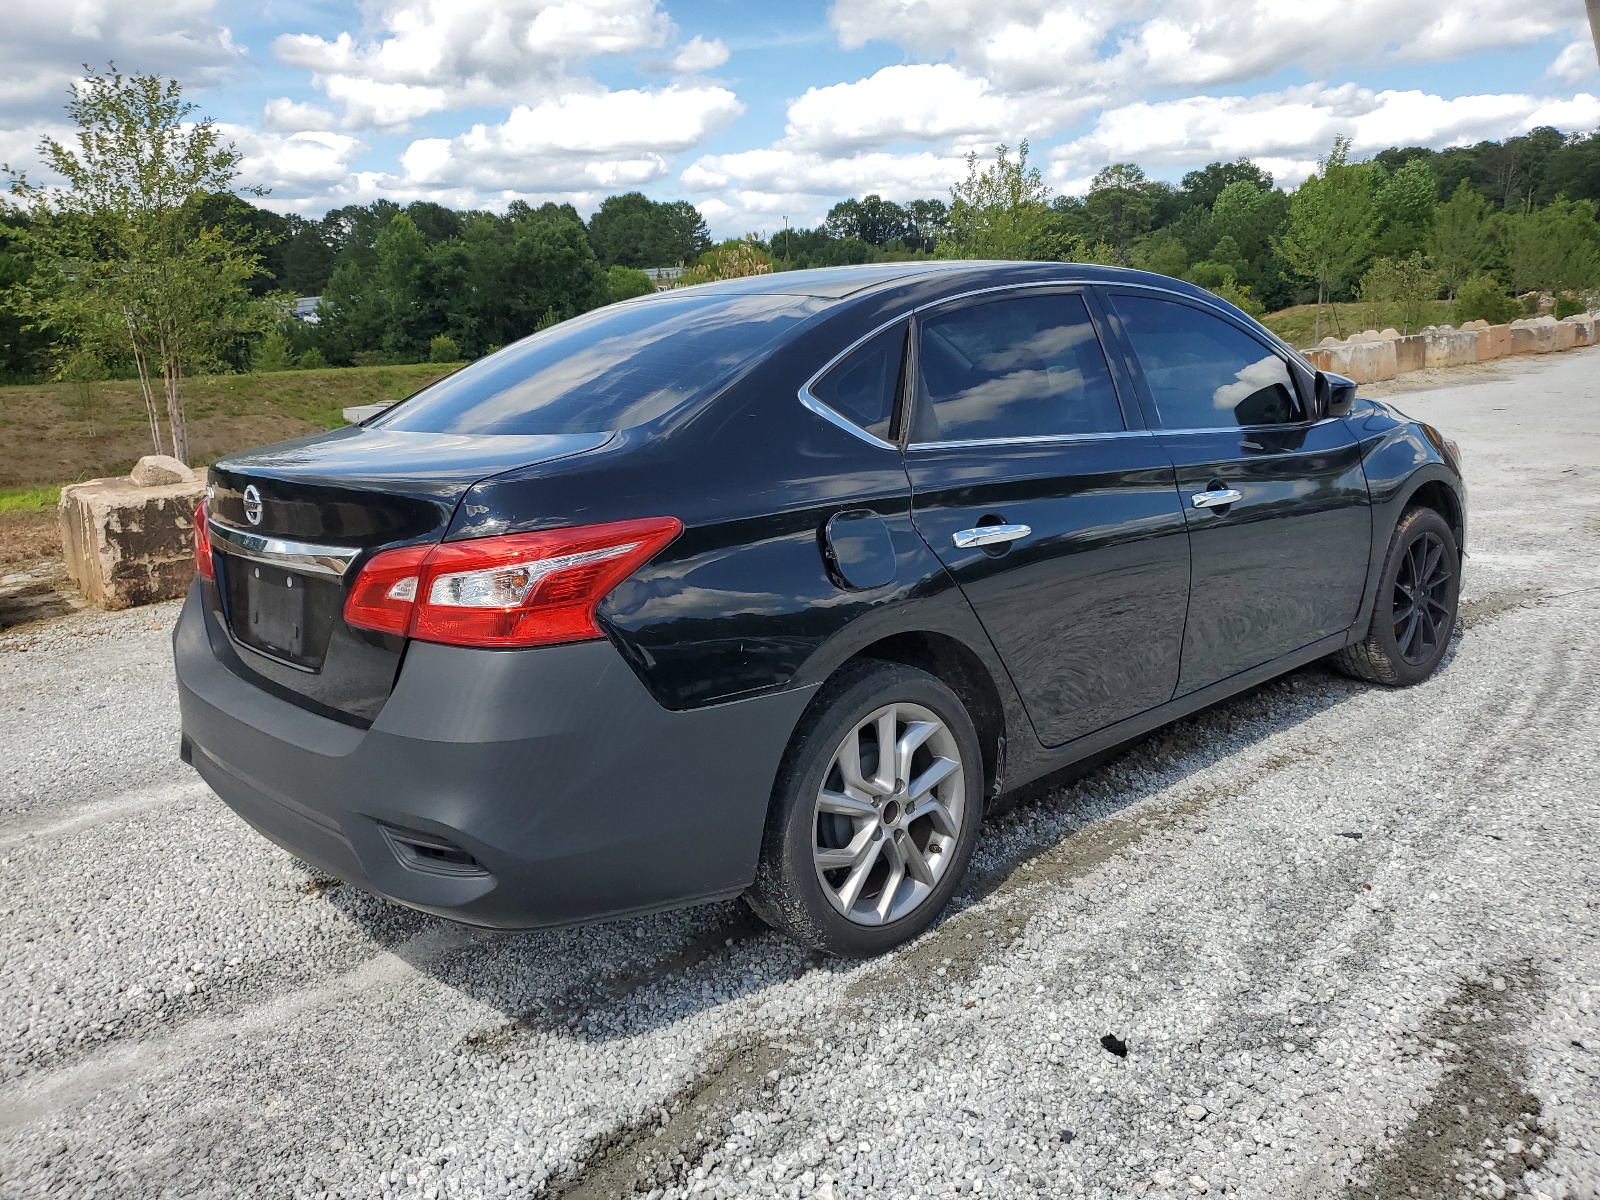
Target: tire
x,y
899,846
1415,613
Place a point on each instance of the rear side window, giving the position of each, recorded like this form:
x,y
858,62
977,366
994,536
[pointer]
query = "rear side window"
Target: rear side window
x,y
862,386
1204,373
610,369
1028,366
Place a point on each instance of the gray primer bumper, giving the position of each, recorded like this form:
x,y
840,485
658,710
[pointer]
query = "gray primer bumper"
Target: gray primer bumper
x,y
580,795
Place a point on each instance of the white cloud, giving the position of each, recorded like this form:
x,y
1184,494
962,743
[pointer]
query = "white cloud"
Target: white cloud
x,y
699,55
436,55
46,41
927,102
1285,131
1091,44
294,164
293,116
615,140
781,171
1576,62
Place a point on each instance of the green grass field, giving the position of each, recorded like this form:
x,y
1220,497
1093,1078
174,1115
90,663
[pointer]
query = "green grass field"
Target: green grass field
x,y
57,433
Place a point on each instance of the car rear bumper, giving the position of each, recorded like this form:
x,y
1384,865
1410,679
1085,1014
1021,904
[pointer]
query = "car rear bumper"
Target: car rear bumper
x,y
552,786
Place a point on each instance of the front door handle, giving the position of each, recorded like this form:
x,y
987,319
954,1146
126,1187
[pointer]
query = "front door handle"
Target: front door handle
x,y
988,535
1216,498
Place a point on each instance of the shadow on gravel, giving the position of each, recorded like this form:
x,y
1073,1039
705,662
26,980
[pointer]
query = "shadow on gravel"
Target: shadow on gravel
x,y
628,977
1481,1130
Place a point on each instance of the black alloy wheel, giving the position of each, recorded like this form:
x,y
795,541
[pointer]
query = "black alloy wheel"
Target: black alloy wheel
x,y
1423,610
1415,614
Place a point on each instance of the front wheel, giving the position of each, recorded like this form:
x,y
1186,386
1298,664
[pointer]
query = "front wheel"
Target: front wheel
x,y
1415,614
874,814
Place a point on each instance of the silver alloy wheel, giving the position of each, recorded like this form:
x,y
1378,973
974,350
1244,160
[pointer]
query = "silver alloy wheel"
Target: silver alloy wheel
x,y
886,825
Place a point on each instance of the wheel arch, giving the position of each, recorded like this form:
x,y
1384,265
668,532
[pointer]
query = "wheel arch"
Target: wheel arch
x,y
1438,495
959,668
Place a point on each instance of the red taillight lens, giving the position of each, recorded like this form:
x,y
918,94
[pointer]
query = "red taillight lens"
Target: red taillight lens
x,y
384,595
202,544
522,589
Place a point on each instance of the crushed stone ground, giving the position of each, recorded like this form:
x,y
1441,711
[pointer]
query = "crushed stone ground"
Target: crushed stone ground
x,y
1345,938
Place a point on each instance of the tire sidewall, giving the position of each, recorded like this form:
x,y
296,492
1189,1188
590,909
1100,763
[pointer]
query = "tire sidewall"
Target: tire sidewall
x,y
787,891
1412,525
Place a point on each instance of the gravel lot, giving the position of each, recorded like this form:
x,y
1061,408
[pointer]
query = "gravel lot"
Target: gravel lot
x,y
1325,940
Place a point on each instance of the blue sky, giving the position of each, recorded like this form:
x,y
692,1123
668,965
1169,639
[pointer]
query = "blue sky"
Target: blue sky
x,y
757,112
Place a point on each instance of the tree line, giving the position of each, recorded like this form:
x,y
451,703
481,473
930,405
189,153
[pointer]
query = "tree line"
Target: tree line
x,y
152,262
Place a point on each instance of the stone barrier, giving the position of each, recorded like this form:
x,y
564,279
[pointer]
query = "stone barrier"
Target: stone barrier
x,y
129,540
1374,355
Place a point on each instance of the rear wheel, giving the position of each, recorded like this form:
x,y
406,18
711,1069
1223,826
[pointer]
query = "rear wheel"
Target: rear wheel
x,y
874,814
1415,614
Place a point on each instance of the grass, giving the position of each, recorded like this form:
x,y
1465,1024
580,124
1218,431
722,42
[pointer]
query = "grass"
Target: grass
x,y
1296,325
27,500
56,432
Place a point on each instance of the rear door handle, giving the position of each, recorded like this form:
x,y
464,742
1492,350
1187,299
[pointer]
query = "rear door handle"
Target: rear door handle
x,y
1216,498
988,535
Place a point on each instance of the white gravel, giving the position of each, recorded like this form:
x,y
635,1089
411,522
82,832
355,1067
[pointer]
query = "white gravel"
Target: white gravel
x,y
1344,935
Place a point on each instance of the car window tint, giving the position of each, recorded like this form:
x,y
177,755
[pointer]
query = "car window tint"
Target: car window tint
x,y
861,387
1203,372
613,368
1023,367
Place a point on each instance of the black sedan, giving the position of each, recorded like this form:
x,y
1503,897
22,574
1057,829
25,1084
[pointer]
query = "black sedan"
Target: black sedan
x,y
768,588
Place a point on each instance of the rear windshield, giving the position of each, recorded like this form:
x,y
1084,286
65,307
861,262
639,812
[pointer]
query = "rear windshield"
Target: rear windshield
x,y
613,368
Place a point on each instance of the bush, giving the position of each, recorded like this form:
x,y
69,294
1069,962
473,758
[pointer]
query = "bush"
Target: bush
x,y
443,349
624,283
272,354
1481,298
1568,305
311,360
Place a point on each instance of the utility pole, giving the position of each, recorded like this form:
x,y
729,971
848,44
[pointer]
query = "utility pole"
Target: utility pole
x,y
1594,24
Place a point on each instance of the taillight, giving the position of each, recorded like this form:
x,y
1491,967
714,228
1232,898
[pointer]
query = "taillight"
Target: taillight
x,y
202,544
521,589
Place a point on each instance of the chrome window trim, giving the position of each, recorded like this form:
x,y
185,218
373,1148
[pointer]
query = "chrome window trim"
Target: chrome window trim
x,y
827,414
313,559
1248,428
816,406
1036,439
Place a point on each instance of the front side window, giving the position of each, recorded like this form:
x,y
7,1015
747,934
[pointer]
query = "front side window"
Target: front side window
x,y
1203,372
1026,366
862,386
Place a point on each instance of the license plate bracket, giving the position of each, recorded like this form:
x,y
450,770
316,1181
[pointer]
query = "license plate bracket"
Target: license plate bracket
x,y
275,602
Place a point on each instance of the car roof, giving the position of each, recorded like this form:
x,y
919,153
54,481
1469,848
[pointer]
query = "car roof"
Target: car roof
x,y
839,283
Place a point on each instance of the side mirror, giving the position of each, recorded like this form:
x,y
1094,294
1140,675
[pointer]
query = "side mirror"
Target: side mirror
x,y
1336,395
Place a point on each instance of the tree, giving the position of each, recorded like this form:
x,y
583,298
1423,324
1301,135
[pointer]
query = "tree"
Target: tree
x,y
632,230
1204,187
115,248
1556,248
1119,207
1404,201
999,211
1402,285
1331,222
1458,242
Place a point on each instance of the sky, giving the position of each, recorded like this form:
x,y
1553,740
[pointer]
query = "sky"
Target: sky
x,y
761,113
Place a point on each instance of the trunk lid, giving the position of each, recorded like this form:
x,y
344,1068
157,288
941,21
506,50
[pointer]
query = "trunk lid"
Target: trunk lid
x,y
294,522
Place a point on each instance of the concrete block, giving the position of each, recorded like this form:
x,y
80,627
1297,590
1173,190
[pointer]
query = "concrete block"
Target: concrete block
x,y
1371,362
358,413
1320,358
1534,335
128,544
1583,326
1410,353
1450,348
1494,341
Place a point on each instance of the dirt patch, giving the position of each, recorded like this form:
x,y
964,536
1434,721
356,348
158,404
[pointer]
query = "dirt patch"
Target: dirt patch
x,y
1480,1131
26,537
661,1150
1480,610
